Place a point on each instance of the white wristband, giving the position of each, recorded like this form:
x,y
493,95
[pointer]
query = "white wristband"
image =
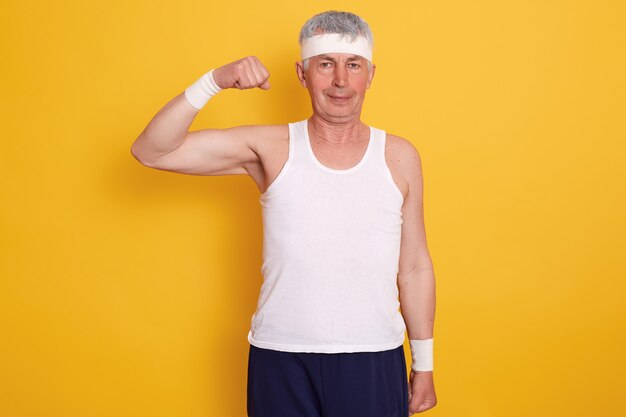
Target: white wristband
x,y
422,354
199,93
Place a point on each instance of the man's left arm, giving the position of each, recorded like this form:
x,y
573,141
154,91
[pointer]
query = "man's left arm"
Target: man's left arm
x,y
416,278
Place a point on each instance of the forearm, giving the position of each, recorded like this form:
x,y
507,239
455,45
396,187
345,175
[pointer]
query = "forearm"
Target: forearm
x,y
417,302
166,131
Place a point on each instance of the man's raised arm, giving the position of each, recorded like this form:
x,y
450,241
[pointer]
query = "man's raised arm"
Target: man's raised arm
x,y
167,144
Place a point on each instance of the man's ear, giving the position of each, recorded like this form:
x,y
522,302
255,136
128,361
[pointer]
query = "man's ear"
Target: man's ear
x,y
300,72
371,76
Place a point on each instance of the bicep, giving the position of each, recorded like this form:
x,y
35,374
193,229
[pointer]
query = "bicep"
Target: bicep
x,y
211,152
414,253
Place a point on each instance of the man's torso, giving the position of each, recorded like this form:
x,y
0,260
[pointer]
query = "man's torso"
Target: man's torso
x,y
273,154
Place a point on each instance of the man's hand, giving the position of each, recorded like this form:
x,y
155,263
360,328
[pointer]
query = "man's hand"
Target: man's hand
x,y
421,391
245,73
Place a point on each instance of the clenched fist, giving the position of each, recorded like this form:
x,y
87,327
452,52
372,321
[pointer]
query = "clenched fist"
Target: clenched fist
x,y
245,73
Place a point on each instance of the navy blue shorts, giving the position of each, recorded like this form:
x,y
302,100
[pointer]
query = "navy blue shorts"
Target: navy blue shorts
x,y
360,384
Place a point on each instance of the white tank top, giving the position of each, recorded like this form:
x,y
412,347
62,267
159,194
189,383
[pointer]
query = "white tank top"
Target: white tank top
x,y
331,246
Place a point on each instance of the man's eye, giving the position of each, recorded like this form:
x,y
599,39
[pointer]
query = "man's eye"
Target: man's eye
x,y
325,64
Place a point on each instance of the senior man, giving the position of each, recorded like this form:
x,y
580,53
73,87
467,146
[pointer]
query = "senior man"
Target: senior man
x,y
344,233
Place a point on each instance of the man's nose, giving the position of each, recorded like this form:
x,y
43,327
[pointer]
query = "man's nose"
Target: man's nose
x,y
341,76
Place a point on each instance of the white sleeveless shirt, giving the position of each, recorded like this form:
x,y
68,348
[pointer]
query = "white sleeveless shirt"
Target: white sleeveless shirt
x,y
331,246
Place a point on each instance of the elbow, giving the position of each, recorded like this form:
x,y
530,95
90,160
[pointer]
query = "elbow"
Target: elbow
x,y
147,162
140,156
136,154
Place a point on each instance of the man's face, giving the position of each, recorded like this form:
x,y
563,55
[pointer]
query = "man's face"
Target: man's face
x,y
336,84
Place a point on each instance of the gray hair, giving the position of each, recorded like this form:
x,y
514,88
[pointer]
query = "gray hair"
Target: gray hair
x,y
342,23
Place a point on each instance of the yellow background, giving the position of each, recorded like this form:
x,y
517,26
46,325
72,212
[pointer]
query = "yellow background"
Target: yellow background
x,y
127,291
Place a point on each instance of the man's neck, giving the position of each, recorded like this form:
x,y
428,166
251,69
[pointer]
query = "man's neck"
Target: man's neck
x,y
338,133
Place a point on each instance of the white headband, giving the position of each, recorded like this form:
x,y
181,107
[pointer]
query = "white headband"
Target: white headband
x,y
328,43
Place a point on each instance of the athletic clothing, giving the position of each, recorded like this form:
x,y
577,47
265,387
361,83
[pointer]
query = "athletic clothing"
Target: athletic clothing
x,y
331,247
364,384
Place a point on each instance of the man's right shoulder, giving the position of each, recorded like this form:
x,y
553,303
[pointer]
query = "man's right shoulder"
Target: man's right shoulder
x,y
263,137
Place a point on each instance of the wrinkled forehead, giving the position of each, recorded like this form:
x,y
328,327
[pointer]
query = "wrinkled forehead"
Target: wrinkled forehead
x,y
338,57
333,43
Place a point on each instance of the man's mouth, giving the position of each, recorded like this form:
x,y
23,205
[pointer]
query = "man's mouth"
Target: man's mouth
x,y
340,99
